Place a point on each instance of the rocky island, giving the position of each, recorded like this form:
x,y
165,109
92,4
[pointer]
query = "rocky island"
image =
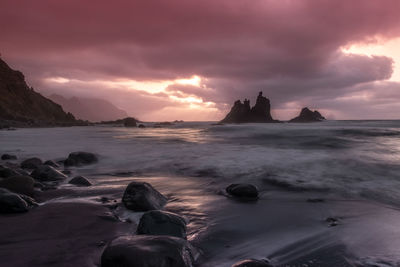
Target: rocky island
x,y
306,115
242,113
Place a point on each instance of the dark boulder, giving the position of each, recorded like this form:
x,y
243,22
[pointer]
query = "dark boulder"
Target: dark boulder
x,y
253,263
307,115
141,196
12,202
45,173
6,172
51,163
8,157
242,113
148,251
245,191
130,122
142,126
80,180
31,163
80,159
157,222
19,184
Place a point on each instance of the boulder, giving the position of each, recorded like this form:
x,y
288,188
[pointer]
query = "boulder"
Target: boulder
x,y
129,122
80,158
148,251
142,126
31,163
80,180
51,163
245,191
46,173
6,172
253,263
8,157
19,184
12,202
157,222
141,196
242,113
307,115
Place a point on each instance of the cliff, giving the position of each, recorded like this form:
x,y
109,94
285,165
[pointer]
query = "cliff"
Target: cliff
x,y
20,105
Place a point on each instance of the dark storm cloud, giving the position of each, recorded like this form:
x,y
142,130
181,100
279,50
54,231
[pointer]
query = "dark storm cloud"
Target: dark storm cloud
x,y
289,48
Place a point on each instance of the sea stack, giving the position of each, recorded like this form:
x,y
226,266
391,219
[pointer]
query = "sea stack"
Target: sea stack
x,y
242,113
306,115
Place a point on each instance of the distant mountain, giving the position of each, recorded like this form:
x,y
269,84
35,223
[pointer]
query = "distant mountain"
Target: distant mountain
x,y
20,105
91,109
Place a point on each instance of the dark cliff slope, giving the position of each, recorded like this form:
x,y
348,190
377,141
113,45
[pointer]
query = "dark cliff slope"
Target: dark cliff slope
x,y
20,103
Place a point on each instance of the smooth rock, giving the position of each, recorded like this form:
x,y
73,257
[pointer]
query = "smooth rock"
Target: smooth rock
x,y
19,184
80,158
31,163
253,263
141,196
6,172
8,157
46,173
80,180
248,191
51,163
157,222
148,251
12,202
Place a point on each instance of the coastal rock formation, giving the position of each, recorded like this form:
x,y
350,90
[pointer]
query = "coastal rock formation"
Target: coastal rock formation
x,y
252,263
51,163
306,115
8,157
20,103
46,173
91,109
31,163
80,180
157,222
141,196
130,122
127,122
14,203
6,172
20,184
244,191
80,158
242,113
148,251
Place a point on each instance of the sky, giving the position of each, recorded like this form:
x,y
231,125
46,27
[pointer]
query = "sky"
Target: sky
x,y
190,60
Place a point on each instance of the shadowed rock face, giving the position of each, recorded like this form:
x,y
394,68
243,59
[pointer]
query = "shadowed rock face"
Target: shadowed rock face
x,y
306,115
19,102
242,113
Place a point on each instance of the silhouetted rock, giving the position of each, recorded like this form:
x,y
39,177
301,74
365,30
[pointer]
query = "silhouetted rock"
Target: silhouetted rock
x,y
51,163
12,203
80,180
6,172
130,122
20,105
141,196
242,113
80,158
245,191
8,157
252,263
19,184
31,163
157,222
141,126
307,115
148,251
46,173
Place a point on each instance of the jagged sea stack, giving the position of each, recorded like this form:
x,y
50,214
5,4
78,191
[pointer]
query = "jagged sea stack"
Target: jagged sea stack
x,y
242,113
306,115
